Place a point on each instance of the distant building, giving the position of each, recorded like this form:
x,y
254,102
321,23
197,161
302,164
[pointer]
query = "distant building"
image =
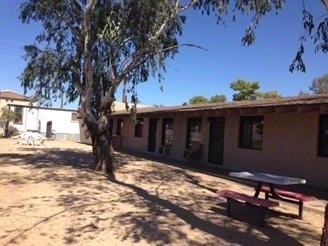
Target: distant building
x,y
284,136
9,96
63,122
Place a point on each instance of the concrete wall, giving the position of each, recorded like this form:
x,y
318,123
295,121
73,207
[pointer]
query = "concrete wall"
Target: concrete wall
x,y
289,145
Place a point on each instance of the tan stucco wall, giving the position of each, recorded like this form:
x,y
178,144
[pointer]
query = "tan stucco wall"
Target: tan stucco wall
x,y
289,145
289,148
4,102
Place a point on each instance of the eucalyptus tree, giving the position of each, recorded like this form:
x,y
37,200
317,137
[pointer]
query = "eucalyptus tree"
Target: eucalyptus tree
x,y
87,48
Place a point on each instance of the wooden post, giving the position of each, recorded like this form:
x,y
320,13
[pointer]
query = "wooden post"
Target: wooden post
x,y
324,237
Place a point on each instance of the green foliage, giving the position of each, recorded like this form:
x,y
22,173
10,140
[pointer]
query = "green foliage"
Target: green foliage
x,y
303,93
315,29
246,90
218,99
269,94
87,48
198,100
7,114
123,45
319,85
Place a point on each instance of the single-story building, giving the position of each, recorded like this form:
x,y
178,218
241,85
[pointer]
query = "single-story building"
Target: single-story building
x,y
63,122
285,136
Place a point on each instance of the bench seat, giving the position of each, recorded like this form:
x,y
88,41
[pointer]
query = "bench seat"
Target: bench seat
x,y
243,198
288,196
248,199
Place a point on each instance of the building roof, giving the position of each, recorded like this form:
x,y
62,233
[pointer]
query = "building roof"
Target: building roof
x,y
38,107
9,94
265,104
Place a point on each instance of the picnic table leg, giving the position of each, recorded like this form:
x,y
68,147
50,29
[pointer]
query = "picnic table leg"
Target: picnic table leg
x,y
300,210
229,206
258,189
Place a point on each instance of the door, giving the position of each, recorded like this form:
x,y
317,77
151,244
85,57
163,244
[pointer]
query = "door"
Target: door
x,y
152,135
216,142
49,129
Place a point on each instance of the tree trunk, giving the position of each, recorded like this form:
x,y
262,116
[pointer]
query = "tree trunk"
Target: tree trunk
x,y
102,146
324,237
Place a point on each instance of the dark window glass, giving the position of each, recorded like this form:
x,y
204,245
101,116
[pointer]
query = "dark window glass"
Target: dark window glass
x,y
138,128
18,115
74,116
323,136
251,132
119,126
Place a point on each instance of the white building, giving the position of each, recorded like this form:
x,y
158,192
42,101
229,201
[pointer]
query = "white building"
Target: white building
x,y
63,122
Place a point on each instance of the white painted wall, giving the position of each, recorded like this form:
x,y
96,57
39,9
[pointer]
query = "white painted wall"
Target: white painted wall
x,y
62,123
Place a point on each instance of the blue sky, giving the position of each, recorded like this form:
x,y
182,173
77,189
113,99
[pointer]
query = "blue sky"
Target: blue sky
x,y
194,71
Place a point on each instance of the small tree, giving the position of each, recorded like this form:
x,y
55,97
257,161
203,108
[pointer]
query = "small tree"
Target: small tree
x,y
246,90
269,94
7,115
198,100
319,85
218,99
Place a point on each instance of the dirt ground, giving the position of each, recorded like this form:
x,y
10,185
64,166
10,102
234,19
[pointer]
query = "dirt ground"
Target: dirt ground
x,y
49,196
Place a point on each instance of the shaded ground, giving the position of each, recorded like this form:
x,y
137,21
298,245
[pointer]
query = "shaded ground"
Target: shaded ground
x,y
49,196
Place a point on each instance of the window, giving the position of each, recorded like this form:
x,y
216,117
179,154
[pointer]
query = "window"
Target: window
x,y
119,126
251,132
194,131
167,132
323,136
138,128
74,116
18,115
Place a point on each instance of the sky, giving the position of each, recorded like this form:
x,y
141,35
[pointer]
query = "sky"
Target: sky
x,y
193,71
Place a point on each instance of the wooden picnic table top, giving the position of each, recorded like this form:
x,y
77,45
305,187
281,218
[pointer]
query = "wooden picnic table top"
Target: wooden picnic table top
x,y
268,178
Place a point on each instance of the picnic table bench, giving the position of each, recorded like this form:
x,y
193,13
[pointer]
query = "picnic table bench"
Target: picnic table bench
x,y
288,196
272,181
261,203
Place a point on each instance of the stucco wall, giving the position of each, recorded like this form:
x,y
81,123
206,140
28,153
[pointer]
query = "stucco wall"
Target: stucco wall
x,y
289,145
289,148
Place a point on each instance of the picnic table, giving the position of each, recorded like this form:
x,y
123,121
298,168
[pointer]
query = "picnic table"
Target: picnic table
x,y
268,183
30,138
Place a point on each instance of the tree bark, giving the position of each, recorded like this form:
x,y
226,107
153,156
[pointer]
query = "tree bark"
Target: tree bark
x,y
324,237
102,145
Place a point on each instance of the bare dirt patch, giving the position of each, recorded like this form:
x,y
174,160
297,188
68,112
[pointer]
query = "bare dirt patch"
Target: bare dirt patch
x,y
49,196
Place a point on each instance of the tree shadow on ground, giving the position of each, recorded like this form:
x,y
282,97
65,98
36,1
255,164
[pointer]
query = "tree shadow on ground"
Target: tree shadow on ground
x,y
156,215
147,225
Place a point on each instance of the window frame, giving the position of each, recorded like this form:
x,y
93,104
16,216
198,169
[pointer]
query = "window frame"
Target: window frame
x,y
249,133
